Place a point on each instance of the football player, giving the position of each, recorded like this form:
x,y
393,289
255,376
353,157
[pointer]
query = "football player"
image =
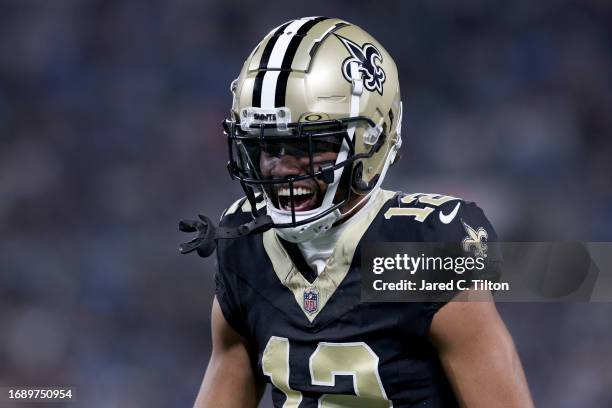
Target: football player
x,y
314,126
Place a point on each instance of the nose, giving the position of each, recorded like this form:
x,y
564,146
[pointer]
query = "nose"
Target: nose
x,y
288,165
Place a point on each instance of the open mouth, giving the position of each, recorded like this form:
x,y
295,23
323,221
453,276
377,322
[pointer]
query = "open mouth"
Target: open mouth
x,y
304,198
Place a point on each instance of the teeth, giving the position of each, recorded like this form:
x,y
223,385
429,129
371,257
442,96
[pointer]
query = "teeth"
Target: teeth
x,y
284,191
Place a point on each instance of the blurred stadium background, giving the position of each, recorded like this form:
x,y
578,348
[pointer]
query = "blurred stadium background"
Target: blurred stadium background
x,y
110,132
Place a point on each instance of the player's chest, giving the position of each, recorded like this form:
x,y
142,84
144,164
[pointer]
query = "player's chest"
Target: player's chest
x,y
361,357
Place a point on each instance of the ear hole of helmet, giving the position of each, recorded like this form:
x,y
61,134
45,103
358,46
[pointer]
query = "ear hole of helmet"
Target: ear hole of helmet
x,y
359,184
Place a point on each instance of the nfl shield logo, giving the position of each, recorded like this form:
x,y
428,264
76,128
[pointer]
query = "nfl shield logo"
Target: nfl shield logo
x,y
311,300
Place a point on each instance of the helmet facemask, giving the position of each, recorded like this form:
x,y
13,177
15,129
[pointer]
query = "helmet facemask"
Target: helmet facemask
x,y
304,172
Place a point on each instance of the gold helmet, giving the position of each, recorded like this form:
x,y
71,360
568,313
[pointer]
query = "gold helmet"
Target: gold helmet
x,y
314,84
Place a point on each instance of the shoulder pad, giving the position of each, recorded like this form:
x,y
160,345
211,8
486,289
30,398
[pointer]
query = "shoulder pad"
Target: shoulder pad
x,y
442,218
419,206
242,206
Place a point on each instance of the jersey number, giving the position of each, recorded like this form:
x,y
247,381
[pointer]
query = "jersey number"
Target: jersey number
x,y
419,214
326,362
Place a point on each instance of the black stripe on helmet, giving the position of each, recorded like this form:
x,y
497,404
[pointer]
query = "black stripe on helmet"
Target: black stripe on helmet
x,y
257,89
265,56
281,84
263,63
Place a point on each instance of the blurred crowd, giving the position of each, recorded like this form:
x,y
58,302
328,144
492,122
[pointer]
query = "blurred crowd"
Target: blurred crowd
x,y
110,132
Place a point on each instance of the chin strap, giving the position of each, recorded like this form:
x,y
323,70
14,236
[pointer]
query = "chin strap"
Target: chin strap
x,y
205,243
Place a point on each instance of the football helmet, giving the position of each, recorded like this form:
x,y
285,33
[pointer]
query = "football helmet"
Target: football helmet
x,y
313,87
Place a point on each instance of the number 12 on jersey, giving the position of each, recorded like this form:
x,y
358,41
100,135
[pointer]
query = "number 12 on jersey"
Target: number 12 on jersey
x,y
328,360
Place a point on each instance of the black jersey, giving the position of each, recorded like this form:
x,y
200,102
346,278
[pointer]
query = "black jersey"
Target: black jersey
x,y
314,340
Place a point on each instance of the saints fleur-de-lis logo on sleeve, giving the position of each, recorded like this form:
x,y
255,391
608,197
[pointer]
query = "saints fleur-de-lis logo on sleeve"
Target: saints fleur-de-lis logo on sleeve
x,y
476,241
368,58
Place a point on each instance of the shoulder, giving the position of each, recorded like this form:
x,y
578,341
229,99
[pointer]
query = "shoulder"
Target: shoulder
x,y
436,217
239,211
233,253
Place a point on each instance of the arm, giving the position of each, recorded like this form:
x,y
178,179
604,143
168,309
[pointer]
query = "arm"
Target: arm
x,y
229,380
478,355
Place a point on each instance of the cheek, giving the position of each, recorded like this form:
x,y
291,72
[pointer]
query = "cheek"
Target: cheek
x,y
266,164
329,156
322,185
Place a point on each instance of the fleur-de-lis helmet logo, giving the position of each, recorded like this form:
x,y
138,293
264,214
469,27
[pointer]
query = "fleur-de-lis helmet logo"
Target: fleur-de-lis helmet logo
x,y
367,57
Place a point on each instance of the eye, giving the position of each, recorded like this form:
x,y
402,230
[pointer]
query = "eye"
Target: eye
x,y
272,149
325,147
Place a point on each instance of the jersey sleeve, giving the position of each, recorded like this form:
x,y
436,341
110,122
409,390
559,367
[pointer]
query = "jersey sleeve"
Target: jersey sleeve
x,y
228,285
226,291
470,233
469,222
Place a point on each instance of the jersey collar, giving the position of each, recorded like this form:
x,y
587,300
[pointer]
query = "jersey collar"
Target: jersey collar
x,y
337,266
